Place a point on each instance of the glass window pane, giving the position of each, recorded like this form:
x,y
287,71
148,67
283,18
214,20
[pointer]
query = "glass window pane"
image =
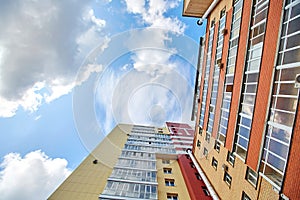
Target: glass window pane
x,y
248,110
251,88
288,104
295,10
291,56
276,162
254,65
244,132
256,53
278,148
257,40
288,89
283,118
246,121
243,142
294,26
261,16
289,73
252,77
249,99
280,134
293,41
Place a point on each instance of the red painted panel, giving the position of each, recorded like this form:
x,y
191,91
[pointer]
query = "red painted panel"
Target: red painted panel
x,y
193,184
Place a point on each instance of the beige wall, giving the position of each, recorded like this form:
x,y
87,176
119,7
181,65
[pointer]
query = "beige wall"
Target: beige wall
x,y
215,14
237,172
179,188
88,180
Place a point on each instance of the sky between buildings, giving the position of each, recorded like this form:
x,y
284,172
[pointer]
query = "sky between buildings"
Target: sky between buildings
x,y
71,70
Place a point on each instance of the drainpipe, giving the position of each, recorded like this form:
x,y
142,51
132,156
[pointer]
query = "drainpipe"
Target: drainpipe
x,y
211,190
210,8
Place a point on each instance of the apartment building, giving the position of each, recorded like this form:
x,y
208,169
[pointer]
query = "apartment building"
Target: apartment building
x,y
138,162
247,97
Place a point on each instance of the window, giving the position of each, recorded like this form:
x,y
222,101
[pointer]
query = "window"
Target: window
x,y
217,146
172,196
212,24
230,69
284,97
188,156
134,175
251,176
205,152
223,12
245,196
206,74
165,161
251,77
167,170
230,158
214,163
200,131
198,176
205,190
216,75
169,182
192,165
207,137
132,190
198,143
227,178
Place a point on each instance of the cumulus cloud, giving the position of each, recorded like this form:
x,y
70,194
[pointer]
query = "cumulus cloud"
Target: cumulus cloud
x,y
34,176
152,14
42,44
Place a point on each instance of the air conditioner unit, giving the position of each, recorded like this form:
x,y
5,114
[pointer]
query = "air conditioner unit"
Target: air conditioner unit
x,y
219,63
224,167
224,31
297,81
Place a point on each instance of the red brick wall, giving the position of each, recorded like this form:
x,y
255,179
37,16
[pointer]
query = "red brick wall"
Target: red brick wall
x,y
246,15
291,183
264,83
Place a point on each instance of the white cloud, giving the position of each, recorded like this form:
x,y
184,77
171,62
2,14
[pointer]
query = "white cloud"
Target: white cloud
x,y
32,177
42,44
135,6
37,117
100,23
153,12
8,108
150,92
137,98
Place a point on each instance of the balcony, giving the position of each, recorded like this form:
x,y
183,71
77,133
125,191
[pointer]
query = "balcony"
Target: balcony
x,y
195,8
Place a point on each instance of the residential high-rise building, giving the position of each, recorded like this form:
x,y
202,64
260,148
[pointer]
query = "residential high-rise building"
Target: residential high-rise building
x,y
247,99
138,162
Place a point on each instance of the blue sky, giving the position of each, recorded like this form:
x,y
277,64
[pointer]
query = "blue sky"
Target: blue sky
x,y
70,71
